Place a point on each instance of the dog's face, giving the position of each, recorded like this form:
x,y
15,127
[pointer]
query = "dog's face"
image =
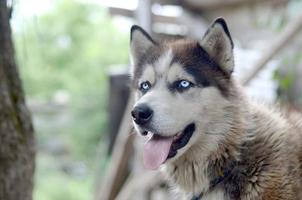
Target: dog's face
x,y
182,90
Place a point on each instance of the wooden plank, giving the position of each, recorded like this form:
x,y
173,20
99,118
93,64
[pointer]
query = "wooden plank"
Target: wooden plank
x,y
281,42
143,15
118,167
118,97
121,11
207,5
131,13
195,24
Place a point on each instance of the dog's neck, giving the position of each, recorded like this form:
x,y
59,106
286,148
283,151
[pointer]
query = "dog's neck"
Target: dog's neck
x,y
195,176
220,178
196,171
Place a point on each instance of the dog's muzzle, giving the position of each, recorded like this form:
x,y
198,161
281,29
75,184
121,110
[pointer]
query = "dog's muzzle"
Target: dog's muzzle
x,y
160,148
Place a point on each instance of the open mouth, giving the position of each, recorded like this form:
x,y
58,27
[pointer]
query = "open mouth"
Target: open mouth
x,y
158,148
181,140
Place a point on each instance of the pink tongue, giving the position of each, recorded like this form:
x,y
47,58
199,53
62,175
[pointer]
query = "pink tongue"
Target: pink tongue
x,y
156,151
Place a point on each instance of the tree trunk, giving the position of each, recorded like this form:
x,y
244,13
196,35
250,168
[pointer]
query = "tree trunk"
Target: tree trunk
x,y
16,132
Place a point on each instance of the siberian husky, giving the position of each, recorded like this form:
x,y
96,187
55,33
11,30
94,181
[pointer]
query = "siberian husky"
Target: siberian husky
x,y
210,140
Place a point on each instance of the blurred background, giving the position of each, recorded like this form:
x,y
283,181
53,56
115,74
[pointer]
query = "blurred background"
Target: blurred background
x,y
73,60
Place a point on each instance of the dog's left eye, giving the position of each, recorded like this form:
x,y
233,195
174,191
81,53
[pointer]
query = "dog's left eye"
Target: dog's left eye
x,y
183,84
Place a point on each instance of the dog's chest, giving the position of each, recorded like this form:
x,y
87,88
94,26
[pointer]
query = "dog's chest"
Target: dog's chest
x,y
214,195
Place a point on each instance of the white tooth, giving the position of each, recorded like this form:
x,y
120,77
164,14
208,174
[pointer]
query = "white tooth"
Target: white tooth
x,y
150,135
177,136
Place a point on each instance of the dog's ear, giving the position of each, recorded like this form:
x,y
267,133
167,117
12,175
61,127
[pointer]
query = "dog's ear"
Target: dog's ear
x,y
140,42
219,45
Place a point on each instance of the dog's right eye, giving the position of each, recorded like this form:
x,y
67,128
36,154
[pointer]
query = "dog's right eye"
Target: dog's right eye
x,y
145,86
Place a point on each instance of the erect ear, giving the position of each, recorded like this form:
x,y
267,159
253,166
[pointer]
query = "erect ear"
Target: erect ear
x,y
218,43
140,42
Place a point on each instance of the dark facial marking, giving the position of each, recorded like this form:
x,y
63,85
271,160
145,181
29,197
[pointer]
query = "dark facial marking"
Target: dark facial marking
x,y
149,57
194,58
176,86
198,63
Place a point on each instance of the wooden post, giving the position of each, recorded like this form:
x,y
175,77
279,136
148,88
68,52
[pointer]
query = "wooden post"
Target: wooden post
x,y
210,5
118,167
118,97
144,14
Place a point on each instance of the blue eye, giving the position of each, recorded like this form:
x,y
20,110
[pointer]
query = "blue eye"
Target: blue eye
x,y
145,86
184,84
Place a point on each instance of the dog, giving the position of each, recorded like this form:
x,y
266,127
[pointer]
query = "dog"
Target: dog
x,y
205,134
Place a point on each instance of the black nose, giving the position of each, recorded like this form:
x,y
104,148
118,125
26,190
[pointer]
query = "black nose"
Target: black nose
x,y
141,114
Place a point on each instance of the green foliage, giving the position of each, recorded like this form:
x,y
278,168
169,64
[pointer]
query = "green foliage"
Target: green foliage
x,y
285,83
286,75
69,48
54,184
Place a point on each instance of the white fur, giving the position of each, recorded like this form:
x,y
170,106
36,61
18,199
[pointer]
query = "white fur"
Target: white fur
x,y
215,195
163,63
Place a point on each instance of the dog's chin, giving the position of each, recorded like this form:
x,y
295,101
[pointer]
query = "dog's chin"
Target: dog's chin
x,y
180,142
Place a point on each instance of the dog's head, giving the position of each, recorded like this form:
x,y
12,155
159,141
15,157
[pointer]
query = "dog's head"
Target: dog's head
x,y
182,89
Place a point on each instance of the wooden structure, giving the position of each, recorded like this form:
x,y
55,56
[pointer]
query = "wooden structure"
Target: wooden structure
x,y
282,41
118,95
210,5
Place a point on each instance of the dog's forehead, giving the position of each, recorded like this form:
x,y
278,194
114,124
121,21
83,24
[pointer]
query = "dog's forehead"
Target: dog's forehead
x,y
181,47
163,63
184,57
169,57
